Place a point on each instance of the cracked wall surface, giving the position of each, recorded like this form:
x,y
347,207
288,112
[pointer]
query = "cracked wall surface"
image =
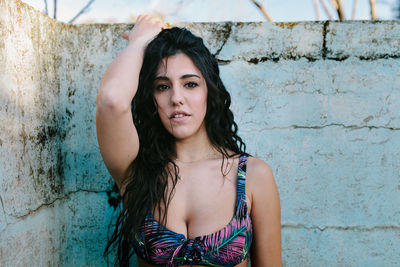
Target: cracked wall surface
x,y
318,101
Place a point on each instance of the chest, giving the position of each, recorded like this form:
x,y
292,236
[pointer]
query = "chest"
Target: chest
x,y
207,221
204,199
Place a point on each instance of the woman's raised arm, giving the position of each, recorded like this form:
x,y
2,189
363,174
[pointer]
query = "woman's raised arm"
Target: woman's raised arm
x,y
116,134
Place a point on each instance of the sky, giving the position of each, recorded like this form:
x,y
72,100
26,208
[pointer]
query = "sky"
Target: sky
x,y
120,11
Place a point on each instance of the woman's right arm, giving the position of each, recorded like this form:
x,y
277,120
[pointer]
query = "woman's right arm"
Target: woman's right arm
x,y
116,134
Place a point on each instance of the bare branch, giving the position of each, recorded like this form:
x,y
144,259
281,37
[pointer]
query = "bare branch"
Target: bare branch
x,y
341,10
262,9
316,7
338,5
55,9
334,4
372,3
326,9
46,11
82,11
353,13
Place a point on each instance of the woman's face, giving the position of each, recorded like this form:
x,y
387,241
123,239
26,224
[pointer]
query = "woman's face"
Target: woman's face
x,y
180,91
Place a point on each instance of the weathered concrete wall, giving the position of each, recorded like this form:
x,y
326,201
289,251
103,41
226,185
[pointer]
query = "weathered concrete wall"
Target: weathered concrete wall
x,y
53,184
318,101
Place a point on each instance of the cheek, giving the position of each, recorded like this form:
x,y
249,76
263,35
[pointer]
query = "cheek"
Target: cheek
x,y
158,103
162,114
199,104
204,102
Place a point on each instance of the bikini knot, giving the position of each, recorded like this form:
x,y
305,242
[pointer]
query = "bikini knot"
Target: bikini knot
x,y
189,252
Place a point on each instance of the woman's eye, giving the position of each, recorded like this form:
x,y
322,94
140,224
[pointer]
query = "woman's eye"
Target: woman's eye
x,y
191,84
161,87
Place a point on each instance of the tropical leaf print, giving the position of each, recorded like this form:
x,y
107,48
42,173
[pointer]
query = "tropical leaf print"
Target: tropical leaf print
x,y
226,247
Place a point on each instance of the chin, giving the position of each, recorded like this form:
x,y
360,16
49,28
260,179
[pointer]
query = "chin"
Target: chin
x,y
185,131
181,134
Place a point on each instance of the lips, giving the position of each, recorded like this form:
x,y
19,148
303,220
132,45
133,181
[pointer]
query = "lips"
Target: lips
x,y
178,114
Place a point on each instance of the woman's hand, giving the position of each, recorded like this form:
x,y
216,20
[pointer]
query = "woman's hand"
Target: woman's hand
x,y
145,29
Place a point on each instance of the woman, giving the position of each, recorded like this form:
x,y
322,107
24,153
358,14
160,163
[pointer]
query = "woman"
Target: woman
x,y
191,194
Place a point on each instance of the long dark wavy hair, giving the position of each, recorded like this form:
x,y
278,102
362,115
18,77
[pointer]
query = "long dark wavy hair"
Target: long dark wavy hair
x,y
147,177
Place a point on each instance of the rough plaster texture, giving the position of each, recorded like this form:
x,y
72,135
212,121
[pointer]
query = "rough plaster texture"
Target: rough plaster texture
x,y
318,101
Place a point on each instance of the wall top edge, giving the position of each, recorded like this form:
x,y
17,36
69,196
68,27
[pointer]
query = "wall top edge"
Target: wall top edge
x,y
18,4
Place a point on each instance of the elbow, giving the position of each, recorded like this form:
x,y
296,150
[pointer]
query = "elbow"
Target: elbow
x,y
107,101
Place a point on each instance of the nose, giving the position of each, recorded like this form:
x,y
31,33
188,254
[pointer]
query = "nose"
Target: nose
x,y
176,96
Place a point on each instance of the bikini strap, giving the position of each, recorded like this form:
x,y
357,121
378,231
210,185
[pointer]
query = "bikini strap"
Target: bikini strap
x,y
241,181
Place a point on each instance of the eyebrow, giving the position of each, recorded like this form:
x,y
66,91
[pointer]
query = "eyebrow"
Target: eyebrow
x,y
165,78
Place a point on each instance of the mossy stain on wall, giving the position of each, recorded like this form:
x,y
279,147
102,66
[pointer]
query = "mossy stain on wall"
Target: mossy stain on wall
x,y
287,25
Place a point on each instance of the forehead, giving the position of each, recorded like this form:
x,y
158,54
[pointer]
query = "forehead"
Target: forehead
x,y
177,65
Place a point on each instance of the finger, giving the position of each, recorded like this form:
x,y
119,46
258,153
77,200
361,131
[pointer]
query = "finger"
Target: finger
x,y
146,16
158,19
140,18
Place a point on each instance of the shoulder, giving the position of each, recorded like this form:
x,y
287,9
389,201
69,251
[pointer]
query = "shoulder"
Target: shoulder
x,y
260,181
257,165
258,172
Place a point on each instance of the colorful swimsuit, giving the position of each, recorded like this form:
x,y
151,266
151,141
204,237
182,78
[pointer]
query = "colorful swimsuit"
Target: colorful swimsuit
x,y
226,247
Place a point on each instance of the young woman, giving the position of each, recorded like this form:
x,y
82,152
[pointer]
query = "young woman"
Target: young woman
x,y
191,194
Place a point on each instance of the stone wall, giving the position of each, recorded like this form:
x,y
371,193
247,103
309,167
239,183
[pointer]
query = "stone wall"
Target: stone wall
x,y
318,101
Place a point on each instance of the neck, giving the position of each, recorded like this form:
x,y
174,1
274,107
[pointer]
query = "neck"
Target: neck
x,y
195,148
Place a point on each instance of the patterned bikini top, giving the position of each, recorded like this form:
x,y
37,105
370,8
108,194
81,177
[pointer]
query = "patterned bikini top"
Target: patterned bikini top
x,y
226,247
